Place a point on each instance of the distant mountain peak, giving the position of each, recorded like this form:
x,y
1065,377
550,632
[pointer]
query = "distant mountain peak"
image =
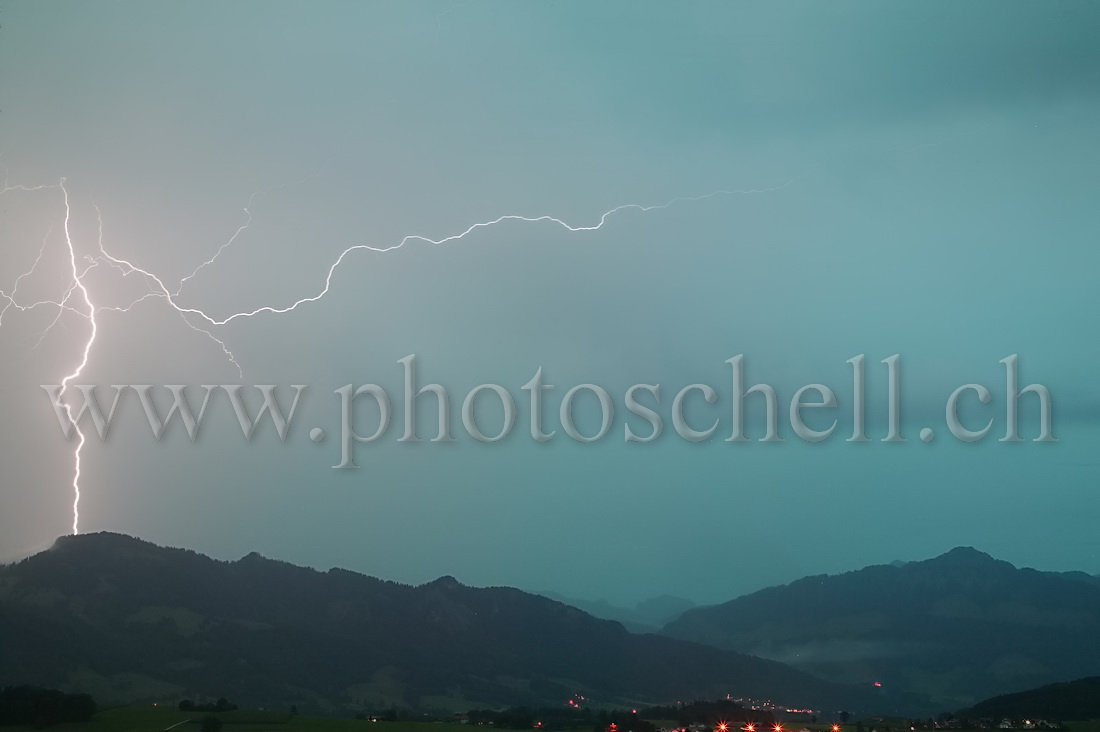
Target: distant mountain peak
x,y
98,538
101,543
446,582
958,627
966,556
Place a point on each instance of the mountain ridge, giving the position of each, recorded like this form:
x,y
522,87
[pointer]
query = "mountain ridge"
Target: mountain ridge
x,y
1063,701
959,627
128,621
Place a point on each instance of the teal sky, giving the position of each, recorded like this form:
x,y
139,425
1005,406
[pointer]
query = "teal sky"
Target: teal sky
x,y
926,185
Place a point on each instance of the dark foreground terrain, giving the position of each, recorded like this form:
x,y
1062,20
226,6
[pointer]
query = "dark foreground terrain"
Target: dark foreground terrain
x,y
131,622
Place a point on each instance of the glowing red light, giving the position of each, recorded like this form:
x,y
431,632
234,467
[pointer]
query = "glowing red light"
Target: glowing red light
x,y
878,683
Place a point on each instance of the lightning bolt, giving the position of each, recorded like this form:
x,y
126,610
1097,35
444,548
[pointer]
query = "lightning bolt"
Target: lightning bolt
x,y
79,284
159,290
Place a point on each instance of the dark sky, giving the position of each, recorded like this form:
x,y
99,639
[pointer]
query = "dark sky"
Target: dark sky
x,y
915,178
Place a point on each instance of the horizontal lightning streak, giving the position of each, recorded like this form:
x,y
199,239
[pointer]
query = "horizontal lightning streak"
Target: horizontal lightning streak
x,y
170,297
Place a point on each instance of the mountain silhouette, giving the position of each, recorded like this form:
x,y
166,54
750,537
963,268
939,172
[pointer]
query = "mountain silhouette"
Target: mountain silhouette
x,y
1068,701
129,621
960,627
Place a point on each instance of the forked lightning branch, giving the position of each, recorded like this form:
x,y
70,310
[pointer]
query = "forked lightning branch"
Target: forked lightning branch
x,y
76,298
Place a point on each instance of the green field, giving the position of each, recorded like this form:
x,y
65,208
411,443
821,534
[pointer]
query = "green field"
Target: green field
x,y
156,719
